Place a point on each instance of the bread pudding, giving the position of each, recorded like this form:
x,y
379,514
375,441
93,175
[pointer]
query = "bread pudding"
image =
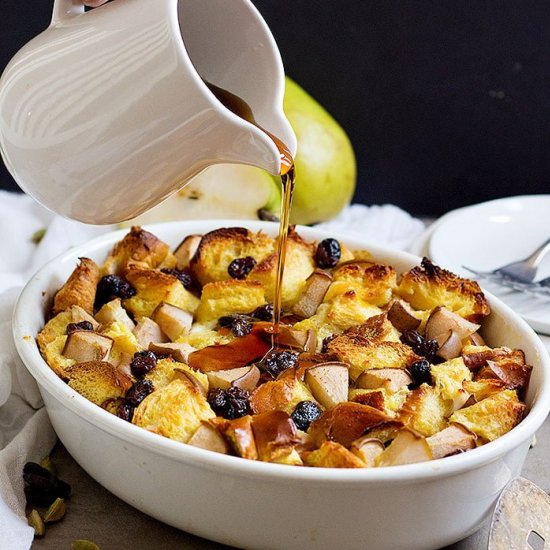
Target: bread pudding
x,y
369,368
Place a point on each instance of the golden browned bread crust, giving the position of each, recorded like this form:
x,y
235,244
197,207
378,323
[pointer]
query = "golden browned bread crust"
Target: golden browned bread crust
x,y
80,288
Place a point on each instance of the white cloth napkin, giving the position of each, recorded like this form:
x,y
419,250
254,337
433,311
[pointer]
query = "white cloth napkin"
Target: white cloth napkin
x,y
25,431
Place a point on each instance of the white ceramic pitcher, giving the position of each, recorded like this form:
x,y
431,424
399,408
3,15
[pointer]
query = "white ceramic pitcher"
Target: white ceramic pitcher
x,y
105,113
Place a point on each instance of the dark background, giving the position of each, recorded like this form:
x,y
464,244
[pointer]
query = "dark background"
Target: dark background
x,y
446,102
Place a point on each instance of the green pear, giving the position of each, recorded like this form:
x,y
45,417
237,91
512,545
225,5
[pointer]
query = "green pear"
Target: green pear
x,y
325,161
231,191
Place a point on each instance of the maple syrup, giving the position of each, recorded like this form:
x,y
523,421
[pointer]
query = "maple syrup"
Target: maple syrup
x,y
241,108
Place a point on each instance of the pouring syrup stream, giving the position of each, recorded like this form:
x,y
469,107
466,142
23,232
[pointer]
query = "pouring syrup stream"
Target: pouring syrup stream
x,y
241,108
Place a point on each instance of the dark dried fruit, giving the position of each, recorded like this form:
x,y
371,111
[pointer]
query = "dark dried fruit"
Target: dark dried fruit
x,y
304,414
83,325
138,392
125,411
240,325
276,362
328,253
41,486
421,373
263,313
142,363
419,344
231,403
111,287
326,342
184,278
239,268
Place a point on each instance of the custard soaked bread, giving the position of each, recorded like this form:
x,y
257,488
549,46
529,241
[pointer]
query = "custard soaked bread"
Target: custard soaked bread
x,y
370,367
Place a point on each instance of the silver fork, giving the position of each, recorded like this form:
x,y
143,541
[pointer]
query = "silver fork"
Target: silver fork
x,y
523,271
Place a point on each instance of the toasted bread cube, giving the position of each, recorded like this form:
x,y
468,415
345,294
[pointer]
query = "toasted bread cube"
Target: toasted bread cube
x,y
428,286
167,370
240,435
220,247
174,411
228,297
98,381
201,336
246,378
152,288
346,422
280,395
493,416
348,309
123,339
375,329
138,249
148,332
406,448
53,354
449,379
299,265
480,389
57,326
80,288
424,411
361,355
85,345
333,455
275,436
391,401
453,439
113,311
373,283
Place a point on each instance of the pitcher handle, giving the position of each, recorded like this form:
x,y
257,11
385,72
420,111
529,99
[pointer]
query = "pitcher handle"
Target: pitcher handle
x,y
66,9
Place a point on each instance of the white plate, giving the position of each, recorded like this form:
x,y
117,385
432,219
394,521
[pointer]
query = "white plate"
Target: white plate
x,y
492,234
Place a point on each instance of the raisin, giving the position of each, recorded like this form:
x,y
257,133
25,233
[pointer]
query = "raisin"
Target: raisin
x,y
239,268
142,363
421,373
83,325
138,392
184,278
276,362
240,325
326,342
419,344
111,287
263,313
42,487
231,403
125,411
304,414
328,253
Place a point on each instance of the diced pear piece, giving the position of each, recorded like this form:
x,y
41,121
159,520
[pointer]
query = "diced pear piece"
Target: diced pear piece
x,y
186,250
451,440
402,317
443,320
113,311
329,383
78,315
245,378
368,449
208,437
316,287
451,346
303,340
84,345
406,448
172,320
186,376
148,332
390,379
178,351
